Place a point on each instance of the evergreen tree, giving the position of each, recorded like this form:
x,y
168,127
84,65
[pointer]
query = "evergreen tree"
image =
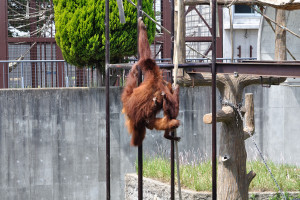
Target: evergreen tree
x,y
80,30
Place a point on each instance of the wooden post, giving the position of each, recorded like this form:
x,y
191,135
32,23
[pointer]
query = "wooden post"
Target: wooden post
x,y
280,36
249,116
181,54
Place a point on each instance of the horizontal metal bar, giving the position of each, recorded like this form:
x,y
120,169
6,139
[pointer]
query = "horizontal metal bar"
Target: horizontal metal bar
x,y
205,66
30,61
243,59
251,68
261,69
270,61
29,40
198,39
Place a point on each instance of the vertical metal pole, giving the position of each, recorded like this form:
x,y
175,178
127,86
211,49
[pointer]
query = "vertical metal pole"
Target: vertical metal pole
x,y
22,75
3,67
172,133
140,148
107,57
35,76
214,126
8,75
3,43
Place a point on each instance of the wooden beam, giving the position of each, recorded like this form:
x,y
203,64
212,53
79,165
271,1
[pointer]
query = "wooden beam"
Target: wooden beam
x,y
283,4
280,36
226,114
121,11
249,116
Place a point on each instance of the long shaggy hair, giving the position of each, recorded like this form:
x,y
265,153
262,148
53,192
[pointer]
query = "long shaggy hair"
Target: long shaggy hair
x,y
142,103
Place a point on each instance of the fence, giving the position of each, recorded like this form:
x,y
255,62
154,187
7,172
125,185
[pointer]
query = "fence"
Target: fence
x,y
45,74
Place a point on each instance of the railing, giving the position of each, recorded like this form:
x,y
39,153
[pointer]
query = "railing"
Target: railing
x,y
45,74
225,60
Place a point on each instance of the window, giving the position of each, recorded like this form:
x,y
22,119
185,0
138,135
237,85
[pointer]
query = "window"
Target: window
x,y
243,9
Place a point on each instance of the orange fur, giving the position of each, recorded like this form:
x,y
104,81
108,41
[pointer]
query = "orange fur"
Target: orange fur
x,y
142,103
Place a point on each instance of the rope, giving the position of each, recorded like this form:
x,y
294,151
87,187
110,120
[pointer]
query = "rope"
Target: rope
x,y
176,60
279,25
175,79
149,17
198,52
237,108
13,65
270,24
165,29
17,2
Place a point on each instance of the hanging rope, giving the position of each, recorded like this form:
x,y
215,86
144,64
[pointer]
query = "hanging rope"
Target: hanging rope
x,y
166,30
13,65
149,17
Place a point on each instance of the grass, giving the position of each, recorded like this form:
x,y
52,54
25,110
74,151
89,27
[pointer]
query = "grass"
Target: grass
x,y
197,176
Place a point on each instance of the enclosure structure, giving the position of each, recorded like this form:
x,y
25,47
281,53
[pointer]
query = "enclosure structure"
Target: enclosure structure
x,y
251,69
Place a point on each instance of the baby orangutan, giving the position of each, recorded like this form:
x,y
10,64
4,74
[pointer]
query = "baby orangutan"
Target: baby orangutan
x,y
142,103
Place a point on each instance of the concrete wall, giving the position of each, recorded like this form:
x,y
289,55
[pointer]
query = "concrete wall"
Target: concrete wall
x,y
52,141
266,37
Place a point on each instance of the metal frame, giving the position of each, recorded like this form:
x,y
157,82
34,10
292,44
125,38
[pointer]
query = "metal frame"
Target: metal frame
x,y
140,148
282,69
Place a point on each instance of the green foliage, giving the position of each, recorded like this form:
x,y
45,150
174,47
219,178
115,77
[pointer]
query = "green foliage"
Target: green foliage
x,y
278,196
80,30
287,176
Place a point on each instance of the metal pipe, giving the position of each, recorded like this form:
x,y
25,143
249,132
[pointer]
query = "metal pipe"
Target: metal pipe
x,y
3,67
107,57
140,148
172,133
214,102
206,67
22,75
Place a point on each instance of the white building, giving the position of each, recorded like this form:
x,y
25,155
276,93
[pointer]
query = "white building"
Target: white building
x,y
245,31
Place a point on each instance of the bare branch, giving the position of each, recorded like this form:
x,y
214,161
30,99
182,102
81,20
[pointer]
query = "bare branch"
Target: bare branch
x,y
247,80
250,176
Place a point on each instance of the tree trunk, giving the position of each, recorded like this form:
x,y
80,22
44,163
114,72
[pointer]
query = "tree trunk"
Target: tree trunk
x,y
233,181
280,36
99,75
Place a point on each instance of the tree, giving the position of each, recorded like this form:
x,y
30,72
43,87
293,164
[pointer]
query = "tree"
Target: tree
x,y
80,30
233,179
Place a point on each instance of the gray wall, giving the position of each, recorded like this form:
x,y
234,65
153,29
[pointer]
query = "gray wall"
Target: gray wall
x,y
266,36
52,141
